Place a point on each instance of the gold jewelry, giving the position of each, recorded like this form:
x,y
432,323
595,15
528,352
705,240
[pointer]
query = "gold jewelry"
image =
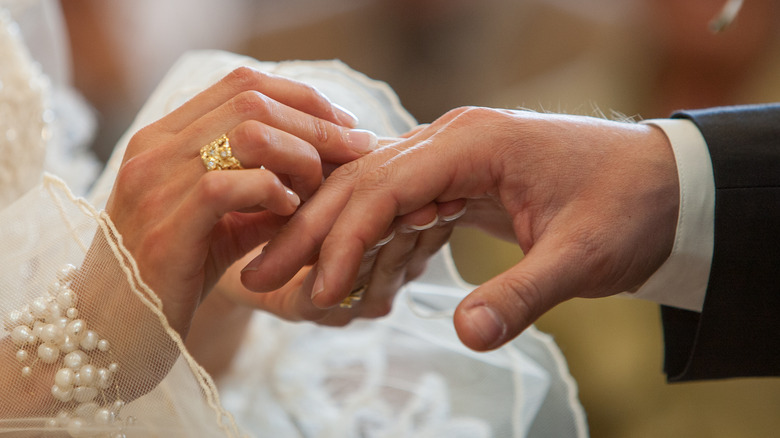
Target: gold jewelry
x,y
355,295
217,155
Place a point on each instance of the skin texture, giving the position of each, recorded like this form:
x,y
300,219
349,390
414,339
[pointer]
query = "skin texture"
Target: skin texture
x,y
592,203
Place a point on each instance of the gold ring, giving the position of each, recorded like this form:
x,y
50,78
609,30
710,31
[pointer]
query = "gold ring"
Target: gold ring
x,y
355,295
217,155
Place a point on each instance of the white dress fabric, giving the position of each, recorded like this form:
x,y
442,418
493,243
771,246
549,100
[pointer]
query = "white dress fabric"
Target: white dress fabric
x,y
405,375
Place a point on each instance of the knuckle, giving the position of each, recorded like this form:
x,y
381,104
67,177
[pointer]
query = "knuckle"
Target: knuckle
x,y
252,133
211,186
140,140
245,78
132,174
321,130
526,294
475,114
251,104
347,172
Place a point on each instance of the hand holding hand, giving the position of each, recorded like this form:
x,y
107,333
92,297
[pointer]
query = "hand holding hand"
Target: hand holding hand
x,y
184,225
592,203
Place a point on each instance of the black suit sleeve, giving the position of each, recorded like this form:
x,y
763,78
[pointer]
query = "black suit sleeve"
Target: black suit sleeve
x,y
737,334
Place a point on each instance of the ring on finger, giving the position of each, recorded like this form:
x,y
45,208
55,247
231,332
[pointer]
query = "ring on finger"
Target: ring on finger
x,y
355,295
217,155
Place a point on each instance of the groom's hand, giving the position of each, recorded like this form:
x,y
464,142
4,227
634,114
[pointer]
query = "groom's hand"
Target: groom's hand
x,y
592,203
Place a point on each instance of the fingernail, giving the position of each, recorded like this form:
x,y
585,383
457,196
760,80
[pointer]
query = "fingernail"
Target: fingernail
x,y
454,216
361,141
487,324
429,225
386,240
319,285
253,265
293,197
345,116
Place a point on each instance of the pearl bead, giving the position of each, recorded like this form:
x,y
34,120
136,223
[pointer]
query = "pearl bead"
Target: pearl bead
x,y
103,345
39,307
66,298
13,319
84,394
117,406
87,375
37,328
26,371
51,423
61,322
21,355
72,313
54,313
104,378
67,273
75,427
69,345
55,288
90,340
61,394
26,317
64,378
113,367
48,353
20,335
51,333
104,416
75,359
76,329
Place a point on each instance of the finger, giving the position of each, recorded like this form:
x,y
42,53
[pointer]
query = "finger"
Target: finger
x,y
388,269
431,240
504,306
390,182
256,144
223,192
288,252
293,303
286,91
334,143
378,199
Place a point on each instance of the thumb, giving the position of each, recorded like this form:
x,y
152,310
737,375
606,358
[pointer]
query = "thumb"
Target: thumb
x,y
507,304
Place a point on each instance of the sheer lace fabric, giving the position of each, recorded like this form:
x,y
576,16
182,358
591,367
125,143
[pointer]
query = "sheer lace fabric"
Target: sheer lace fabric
x,y
403,376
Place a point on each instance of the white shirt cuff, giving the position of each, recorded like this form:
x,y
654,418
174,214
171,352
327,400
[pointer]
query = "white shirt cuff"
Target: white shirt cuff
x,y
682,280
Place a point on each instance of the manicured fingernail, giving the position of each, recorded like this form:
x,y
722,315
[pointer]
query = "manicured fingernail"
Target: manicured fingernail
x,y
487,324
345,116
361,141
430,224
293,197
253,265
454,216
386,240
319,285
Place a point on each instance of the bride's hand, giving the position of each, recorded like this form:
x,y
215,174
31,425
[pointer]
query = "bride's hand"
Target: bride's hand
x,y
185,225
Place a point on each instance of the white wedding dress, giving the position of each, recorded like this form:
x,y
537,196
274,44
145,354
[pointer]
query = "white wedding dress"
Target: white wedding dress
x,y
405,375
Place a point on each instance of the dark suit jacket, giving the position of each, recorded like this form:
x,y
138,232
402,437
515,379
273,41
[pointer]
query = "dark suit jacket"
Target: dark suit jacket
x,y
737,334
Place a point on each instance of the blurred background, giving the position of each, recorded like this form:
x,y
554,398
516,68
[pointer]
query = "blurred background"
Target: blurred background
x,y
635,58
